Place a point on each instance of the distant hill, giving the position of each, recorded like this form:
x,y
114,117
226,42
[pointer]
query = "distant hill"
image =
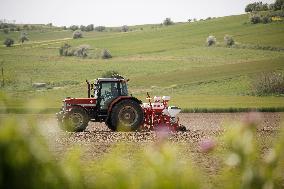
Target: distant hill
x,y
164,60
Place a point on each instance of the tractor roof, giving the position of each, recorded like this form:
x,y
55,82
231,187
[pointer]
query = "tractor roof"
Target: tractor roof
x,y
110,80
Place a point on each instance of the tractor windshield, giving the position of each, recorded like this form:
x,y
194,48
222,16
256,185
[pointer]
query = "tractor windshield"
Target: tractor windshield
x,y
124,91
109,91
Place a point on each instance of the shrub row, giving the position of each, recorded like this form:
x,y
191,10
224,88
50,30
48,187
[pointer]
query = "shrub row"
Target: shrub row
x,y
271,83
228,40
80,51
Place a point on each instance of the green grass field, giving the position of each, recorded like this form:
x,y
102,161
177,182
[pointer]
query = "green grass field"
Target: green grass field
x,y
172,60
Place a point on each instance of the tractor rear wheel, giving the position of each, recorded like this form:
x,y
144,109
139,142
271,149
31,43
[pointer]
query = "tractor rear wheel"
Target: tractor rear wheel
x,y
76,120
127,115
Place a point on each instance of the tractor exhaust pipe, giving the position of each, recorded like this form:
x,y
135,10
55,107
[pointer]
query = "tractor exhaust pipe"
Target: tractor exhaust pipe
x,y
89,88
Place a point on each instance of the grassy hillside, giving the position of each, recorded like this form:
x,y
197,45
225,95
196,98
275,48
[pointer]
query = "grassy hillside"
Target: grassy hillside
x,y
171,60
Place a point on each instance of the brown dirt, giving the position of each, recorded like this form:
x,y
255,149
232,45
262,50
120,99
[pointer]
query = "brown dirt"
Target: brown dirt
x,y
98,139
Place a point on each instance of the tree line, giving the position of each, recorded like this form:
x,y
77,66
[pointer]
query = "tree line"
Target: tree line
x,y
260,6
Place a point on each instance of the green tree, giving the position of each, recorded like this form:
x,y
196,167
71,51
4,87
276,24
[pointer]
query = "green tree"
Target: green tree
x,y
90,27
100,28
73,27
257,6
168,22
124,28
279,5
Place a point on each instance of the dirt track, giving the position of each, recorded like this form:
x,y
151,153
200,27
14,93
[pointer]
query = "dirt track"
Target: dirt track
x,y
97,139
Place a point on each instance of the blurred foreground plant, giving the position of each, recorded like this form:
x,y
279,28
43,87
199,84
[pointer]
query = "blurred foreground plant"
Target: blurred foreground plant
x,y
245,167
25,162
24,159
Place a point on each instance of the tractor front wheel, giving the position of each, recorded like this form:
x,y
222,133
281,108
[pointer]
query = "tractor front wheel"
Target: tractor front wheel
x,y
127,115
75,121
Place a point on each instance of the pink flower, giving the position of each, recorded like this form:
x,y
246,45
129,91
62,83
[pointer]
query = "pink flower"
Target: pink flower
x,y
207,145
252,119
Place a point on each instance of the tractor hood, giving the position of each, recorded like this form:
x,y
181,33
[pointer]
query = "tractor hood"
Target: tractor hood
x,y
80,101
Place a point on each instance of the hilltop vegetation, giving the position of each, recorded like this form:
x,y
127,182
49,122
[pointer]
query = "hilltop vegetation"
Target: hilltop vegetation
x,y
163,60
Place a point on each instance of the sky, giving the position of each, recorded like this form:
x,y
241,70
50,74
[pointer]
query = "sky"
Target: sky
x,y
116,12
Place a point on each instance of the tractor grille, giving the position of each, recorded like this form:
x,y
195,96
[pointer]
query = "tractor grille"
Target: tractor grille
x,y
64,106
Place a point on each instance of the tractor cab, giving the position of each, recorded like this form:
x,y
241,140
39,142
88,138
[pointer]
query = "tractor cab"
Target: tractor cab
x,y
105,90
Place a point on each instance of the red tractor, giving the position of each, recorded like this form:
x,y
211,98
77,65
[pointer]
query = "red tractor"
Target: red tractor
x,y
108,101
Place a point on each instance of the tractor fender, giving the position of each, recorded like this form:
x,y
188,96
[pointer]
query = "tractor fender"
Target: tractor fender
x,y
74,106
119,99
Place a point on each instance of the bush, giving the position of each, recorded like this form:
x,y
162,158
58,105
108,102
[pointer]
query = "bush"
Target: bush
x,y
81,51
266,19
106,54
229,41
168,22
211,40
8,42
124,28
269,84
77,34
279,13
64,49
255,19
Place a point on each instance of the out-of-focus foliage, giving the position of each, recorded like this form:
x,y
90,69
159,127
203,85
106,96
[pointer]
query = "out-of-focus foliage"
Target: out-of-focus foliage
x,y
245,167
24,159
